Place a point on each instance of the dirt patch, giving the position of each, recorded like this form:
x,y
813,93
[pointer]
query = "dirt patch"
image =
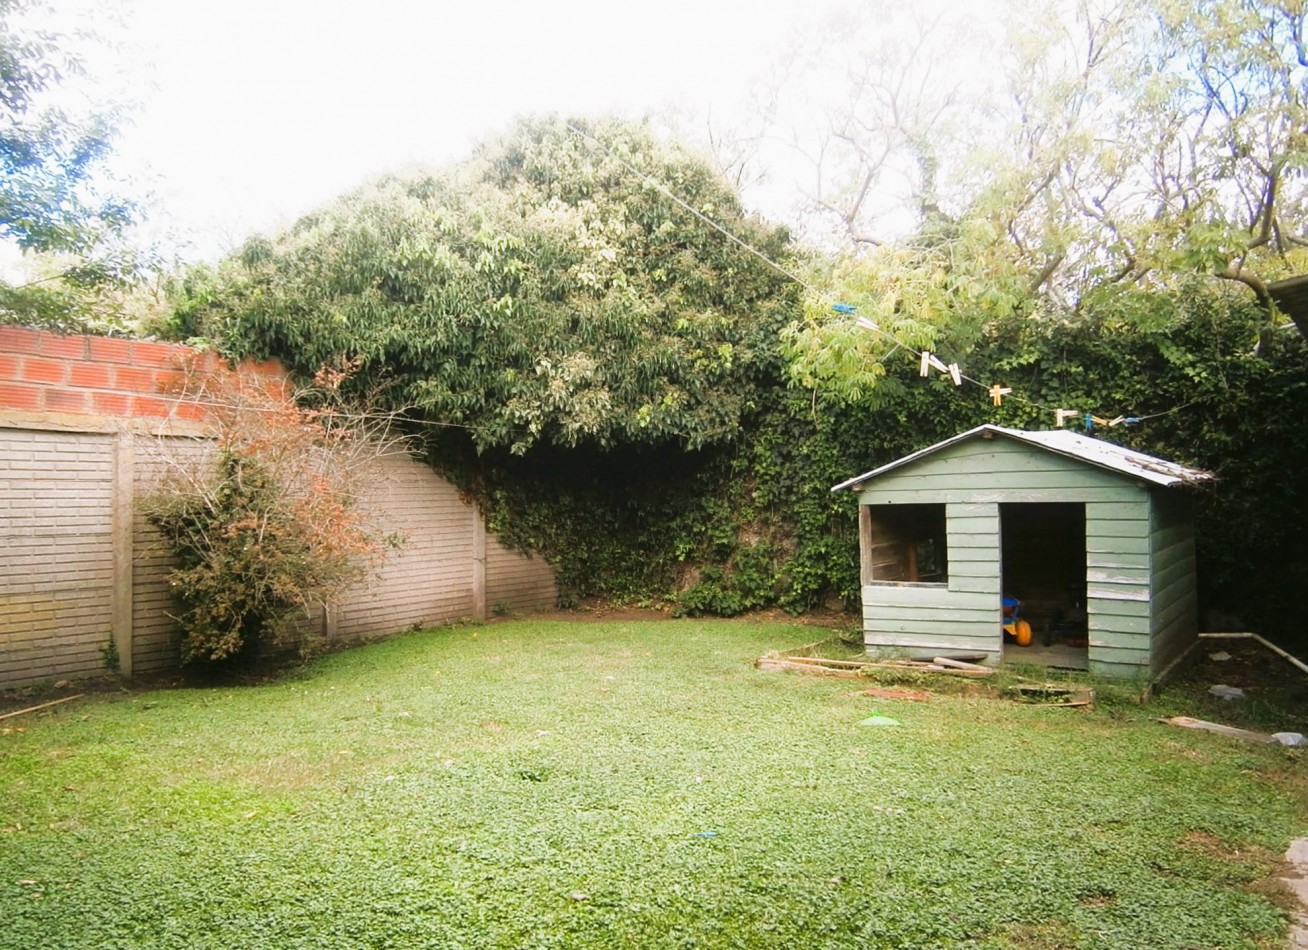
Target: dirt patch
x,y
598,611
1097,899
1269,870
914,695
1050,935
1276,691
1210,846
13,700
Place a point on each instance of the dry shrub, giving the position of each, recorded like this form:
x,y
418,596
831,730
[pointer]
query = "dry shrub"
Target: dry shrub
x,y
268,522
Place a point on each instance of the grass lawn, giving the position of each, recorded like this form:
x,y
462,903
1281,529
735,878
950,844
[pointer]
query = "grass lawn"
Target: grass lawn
x,y
550,784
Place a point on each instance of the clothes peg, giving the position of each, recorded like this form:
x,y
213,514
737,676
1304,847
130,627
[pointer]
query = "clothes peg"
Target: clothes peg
x,y
843,307
955,374
1116,422
867,324
1062,415
930,360
997,394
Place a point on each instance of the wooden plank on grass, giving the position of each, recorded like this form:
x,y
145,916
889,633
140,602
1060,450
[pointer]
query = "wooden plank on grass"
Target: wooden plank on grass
x,y
1187,723
53,702
961,665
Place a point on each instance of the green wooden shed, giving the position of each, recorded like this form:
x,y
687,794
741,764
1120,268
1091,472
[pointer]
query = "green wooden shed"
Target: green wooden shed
x,y
1095,542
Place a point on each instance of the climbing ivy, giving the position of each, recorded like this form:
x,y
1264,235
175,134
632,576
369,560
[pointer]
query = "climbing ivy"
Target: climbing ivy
x,y
545,292
645,403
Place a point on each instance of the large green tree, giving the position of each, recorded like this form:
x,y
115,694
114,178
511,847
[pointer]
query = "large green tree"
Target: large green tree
x,y
546,291
53,203
1115,148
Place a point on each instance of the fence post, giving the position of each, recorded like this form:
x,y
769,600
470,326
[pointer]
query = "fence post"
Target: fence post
x,y
121,518
478,564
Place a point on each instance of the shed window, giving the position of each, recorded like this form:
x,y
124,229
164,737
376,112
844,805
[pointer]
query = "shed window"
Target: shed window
x,y
904,544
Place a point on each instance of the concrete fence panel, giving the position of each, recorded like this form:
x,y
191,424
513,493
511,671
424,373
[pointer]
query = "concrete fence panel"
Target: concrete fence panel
x,y
87,425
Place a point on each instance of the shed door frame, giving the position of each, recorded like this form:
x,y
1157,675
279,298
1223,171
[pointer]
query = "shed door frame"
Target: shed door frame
x,y
1053,581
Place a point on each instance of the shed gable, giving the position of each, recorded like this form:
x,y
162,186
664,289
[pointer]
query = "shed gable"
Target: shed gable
x,y
982,470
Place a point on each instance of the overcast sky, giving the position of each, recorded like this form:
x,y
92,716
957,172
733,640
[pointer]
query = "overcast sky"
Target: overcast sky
x,y
252,112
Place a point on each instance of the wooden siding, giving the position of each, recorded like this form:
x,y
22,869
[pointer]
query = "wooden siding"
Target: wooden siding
x,y
1174,616
999,470
1117,585
973,478
963,614
56,553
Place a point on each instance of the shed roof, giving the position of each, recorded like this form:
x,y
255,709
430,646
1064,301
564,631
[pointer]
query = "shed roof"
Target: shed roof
x,y
1291,296
1138,465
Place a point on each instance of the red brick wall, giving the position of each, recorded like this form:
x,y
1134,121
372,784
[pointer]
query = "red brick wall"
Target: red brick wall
x,y
96,375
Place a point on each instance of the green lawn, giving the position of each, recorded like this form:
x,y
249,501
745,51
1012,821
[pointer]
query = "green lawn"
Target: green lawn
x,y
549,784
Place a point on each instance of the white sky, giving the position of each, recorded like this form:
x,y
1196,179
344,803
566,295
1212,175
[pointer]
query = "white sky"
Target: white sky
x,y
252,112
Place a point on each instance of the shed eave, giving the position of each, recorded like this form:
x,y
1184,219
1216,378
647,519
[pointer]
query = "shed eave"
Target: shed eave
x,y
1105,455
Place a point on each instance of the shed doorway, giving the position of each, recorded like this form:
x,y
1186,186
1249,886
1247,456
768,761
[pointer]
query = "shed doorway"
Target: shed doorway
x,y
1043,566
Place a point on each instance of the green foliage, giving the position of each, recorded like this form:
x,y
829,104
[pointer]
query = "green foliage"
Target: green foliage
x,y
1135,143
268,522
749,581
628,393
542,293
109,657
242,557
1216,396
47,155
605,785
53,202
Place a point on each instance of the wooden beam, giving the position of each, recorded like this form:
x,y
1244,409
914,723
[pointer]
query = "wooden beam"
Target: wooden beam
x,y
120,520
53,702
865,553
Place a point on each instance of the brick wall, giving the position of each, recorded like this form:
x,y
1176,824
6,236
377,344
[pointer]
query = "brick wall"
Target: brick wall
x,y
90,375
81,424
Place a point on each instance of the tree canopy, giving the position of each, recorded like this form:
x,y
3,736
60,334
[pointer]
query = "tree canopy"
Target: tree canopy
x,y
1116,149
53,202
49,152
545,290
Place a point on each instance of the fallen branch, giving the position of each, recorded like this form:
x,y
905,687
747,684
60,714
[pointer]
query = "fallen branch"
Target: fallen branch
x,y
822,661
782,665
53,702
960,665
852,668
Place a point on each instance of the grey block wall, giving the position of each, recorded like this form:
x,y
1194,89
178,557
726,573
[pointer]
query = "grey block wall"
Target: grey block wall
x,y
80,566
56,553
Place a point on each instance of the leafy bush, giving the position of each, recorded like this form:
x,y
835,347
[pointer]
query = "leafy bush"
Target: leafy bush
x,y
269,522
749,582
